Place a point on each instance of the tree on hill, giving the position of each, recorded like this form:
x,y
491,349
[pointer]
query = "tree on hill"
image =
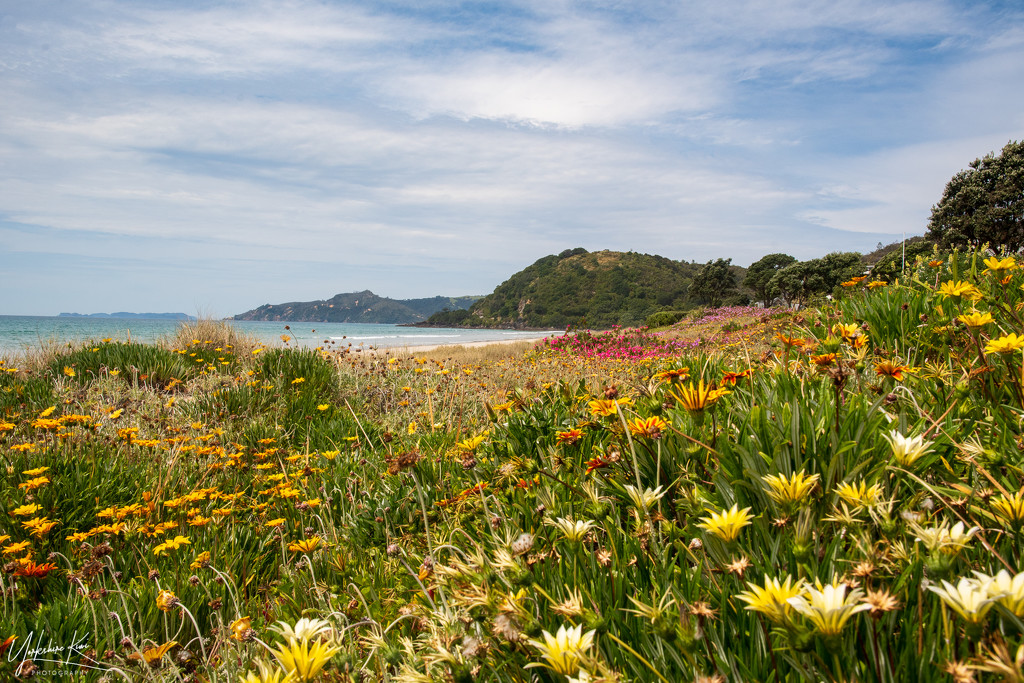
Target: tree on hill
x,y
799,282
714,282
761,273
983,204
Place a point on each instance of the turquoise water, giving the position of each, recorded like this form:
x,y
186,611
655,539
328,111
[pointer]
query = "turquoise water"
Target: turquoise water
x,y
18,332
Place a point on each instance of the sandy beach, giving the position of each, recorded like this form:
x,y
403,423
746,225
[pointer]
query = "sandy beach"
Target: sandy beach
x,y
402,350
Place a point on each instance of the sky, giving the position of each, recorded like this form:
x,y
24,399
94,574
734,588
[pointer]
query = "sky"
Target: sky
x,y
211,157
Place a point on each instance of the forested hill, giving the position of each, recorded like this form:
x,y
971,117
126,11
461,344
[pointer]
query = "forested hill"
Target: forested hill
x,y
595,289
358,307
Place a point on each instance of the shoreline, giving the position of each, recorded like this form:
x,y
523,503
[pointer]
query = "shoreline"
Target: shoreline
x,y
426,348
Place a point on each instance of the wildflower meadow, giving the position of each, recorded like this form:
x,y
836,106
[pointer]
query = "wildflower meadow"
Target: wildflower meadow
x,y
834,494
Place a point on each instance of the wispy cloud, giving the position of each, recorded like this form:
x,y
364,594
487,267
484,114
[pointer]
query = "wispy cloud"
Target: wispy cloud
x,y
408,147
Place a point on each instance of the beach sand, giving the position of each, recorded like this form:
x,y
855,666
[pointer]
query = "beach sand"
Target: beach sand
x,y
405,350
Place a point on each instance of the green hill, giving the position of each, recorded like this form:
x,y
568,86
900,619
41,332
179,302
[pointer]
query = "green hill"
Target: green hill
x,y
593,289
357,307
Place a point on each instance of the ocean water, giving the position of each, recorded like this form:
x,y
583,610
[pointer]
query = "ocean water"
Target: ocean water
x,y
18,332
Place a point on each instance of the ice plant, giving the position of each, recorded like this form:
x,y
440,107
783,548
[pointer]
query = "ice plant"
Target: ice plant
x,y
829,607
772,599
906,451
727,524
563,651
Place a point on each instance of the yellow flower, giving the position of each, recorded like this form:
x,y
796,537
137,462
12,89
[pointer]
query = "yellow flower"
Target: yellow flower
x,y
969,598
829,607
772,600
1007,590
239,627
48,412
298,655
995,265
15,548
603,408
470,444
298,380
1010,511
894,370
116,414
25,510
268,673
411,429
572,530
860,494
651,427
35,472
564,650
975,319
959,289
166,601
907,451
69,371
1005,344
307,545
696,399
945,539
202,560
35,483
274,523
152,655
727,524
791,490
323,406
876,283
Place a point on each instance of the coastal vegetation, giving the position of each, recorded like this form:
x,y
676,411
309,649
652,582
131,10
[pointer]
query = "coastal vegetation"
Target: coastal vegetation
x,y
748,494
358,307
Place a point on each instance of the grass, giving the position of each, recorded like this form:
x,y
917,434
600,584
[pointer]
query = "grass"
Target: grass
x,y
831,496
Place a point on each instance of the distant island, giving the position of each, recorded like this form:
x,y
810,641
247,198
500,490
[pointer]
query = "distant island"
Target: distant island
x,y
136,316
358,307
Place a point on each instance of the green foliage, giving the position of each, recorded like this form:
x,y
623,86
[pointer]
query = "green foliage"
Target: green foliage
x,y
714,282
664,318
135,363
801,281
587,289
762,271
983,204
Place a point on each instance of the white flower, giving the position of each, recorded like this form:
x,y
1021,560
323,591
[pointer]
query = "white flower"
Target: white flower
x,y
563,650
906,451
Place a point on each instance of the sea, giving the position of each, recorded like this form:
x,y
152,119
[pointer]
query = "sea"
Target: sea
x,y
19,333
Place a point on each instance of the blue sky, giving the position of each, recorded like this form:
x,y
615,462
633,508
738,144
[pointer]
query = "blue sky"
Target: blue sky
x,y
212,157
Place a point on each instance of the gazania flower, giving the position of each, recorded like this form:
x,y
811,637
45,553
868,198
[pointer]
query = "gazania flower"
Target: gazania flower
x,y
969,598
240,628
166,601
470,444
304,659
727,524
646,499
34,571
563,651
651,427
975,319
153,655
995,265
603,407
829,607
25,510
268,673
1005,344
307,545
791,490
790,342
677,375
1006,589
877,283
906,451
847,331
860,494
956,290
697,398
945,539
824,360
569,437
887,369
33,484
772,600
1010,511
733,377
572,530
880,602
935,264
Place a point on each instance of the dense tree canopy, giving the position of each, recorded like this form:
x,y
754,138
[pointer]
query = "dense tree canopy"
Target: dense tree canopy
x,y
714,282
761,273
817,277
984,203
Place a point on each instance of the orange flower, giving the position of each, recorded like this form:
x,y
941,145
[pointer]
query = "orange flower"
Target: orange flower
x,y
732,377
887,369
790,342
824,360
32,570
569,437
651,427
